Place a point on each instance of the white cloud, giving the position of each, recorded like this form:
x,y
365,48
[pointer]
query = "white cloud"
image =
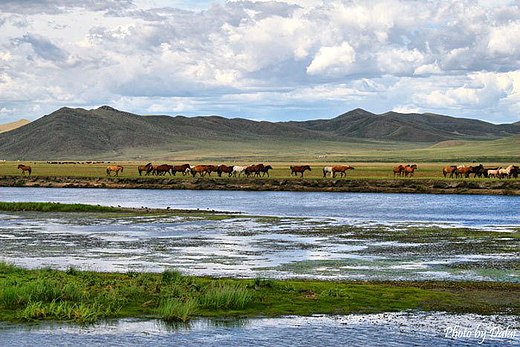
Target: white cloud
x,y
333,61
286,59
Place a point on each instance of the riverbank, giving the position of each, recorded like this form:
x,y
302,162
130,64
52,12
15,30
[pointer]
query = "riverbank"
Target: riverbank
x,y
86,296
430,186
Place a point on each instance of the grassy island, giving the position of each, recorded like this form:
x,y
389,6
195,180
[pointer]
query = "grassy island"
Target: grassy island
x,y
84,296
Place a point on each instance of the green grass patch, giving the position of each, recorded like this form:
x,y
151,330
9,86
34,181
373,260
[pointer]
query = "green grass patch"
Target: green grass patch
x,y
55,207
84,296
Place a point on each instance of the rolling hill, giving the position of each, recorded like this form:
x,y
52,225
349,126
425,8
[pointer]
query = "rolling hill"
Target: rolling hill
x,y
109,133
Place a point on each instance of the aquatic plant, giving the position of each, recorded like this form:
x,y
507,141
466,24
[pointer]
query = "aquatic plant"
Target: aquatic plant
x,y
176,310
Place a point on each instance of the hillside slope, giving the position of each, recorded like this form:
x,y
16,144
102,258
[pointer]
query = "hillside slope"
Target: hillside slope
x,y
109,133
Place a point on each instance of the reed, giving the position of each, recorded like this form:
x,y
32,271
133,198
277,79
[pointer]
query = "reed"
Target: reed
x,y
175,310
225,296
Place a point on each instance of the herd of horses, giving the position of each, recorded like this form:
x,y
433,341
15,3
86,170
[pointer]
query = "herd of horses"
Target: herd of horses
x,y
261,170
460,171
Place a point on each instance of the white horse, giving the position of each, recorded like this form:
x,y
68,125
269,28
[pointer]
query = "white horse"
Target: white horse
x,y
327,170
494,173
503,173
238,170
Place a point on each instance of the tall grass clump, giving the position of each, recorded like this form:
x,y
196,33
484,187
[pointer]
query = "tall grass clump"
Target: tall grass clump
x,y
8,268
225,296
82,313
176,310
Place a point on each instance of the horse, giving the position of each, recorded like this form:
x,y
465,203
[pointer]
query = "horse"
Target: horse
x,y
265,170
25,168
452,170
398,170
162,170
409,169
180,168
508,172
479,171
115,168
342,169
464,171
253,169
238,170
299,169
200,169
327,170
224,169
494,172
146,168
211,168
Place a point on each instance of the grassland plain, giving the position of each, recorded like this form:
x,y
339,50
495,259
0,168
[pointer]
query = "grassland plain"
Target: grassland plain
x,y
84,296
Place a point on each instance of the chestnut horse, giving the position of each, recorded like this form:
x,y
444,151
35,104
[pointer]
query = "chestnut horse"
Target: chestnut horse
x,y
162,170
25,168
299,169
180,168
253,169
452,170
115,168
146,168
398,170
342,169
409,169
224,169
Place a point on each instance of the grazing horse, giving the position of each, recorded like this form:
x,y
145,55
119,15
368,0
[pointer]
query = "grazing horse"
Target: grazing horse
x,y
342,169
25,168
211,168
146,168
299,169
327,170
224,169
180,168
265,170
162,170
398,170
115,168
238,170
409,169
452,170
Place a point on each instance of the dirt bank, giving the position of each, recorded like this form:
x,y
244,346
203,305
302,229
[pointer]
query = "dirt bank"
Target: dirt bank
x,y
502,187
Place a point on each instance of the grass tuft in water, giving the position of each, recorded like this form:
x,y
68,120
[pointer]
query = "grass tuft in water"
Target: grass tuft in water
x,y
224,296
176,310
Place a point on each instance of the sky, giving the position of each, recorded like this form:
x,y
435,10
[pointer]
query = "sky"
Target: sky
x,y
262,60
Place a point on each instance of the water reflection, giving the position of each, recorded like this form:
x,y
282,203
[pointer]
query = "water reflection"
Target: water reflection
x,y
388,329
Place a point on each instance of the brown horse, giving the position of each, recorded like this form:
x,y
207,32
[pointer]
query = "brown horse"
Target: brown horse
x,y
224,169
146,168
162,170
464,171
299,169
254,169
452,170
409,169
398,170
211,168
342,169
180,168
25,168
265,170
199,169
115,168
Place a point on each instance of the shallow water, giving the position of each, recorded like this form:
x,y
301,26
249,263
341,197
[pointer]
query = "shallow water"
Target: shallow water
x,y
386,329
291,244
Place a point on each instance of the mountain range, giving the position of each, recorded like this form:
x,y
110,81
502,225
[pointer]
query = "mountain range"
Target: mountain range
x,y
76,133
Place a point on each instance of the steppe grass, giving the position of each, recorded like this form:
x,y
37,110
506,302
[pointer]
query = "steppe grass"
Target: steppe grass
x,y
84,296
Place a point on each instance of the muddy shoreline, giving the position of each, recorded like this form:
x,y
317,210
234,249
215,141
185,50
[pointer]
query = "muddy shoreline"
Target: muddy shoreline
x,y
428,186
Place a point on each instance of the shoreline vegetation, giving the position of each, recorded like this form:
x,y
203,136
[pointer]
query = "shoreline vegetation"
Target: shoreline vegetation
x,y
86,296
365,185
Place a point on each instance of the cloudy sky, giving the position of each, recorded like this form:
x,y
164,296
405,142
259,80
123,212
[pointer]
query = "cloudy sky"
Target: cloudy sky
x,y
264,60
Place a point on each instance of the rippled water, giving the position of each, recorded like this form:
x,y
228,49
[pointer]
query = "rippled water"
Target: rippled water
x,y
386,329
364,243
